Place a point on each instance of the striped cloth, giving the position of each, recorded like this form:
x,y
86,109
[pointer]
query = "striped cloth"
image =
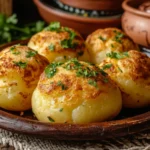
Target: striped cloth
x,y
140,141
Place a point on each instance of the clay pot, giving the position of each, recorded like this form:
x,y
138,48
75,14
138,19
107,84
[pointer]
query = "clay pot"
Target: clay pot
x,y
136,23
95,4
85,25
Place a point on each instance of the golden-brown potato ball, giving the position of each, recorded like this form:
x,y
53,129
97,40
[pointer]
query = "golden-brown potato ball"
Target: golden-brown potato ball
x,y
20,68
58,43
75,92
104,41
131,72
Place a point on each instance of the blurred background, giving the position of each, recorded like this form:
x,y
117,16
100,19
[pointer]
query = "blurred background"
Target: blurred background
x,y
25,9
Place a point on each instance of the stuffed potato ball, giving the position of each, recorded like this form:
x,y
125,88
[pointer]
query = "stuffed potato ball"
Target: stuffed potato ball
x,y
20,68
103,41
131,72
75,92
58,43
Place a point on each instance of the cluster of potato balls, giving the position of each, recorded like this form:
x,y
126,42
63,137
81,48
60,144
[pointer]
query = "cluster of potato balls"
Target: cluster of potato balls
x,y
65,79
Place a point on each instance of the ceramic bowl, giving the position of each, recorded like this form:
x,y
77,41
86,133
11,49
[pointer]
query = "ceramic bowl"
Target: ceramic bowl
x,y
95,4
136,23
85,25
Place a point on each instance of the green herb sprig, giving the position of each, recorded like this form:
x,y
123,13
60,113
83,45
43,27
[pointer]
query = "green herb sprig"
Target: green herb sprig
x,y
21,64
51,69
117,55
10,29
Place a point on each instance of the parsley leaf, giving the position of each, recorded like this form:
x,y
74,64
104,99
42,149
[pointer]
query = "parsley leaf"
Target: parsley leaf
x,y
10,29
51,47
67,43
14,51
31,54
21,64
61,109
107,66
92,82
50,119
102,38
117,55
54,26
118,36
63,87
51,69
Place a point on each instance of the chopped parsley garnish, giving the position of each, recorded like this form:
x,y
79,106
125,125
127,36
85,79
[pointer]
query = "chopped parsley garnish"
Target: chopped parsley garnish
x,y
12,48
50,119
51,69
21,64
51,47
83,71
120,69
107,66
68,43
112,45
61,109
117,55
103,72
118,36
14,51
63,87
102,38
31,54
72,34
92,82
54,26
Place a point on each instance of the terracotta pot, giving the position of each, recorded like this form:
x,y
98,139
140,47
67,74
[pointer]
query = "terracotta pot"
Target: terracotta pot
x,y
95,4
136,23
85,25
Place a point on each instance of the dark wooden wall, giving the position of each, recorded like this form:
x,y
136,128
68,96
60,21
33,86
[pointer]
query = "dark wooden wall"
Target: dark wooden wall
x,y
26,11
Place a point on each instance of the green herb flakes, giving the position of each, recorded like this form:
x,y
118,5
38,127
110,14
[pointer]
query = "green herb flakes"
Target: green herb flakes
x,y
63,87
21,64
103,72
31,53
120,69
50,119
61,109
92,82
107,66
51,47
54,26
51,69
112,45
117,55
68,43
118,36
14,51
102,38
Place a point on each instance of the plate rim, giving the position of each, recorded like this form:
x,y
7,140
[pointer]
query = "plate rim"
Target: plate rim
x,y
89,131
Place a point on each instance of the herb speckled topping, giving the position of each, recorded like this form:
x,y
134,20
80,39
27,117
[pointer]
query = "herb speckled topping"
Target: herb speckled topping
x,y
108,40
64,75
56,41
27,62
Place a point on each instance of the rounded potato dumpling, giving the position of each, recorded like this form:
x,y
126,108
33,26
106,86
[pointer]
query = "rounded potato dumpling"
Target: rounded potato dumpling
x,y
58,43
20,68
103,41
75,92
131,72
